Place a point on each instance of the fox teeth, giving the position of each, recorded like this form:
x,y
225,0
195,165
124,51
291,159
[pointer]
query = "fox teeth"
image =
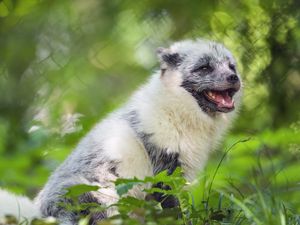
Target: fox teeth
x,y
210,94
223,102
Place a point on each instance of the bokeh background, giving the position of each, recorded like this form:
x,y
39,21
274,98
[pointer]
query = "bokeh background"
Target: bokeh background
x,y
65,64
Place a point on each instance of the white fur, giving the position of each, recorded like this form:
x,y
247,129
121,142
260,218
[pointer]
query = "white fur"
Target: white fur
x,y
19,206
177,123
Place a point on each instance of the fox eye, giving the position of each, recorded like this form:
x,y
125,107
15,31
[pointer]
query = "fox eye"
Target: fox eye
x,y
203,68
232,67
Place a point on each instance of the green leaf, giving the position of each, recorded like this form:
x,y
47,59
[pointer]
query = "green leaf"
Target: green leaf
x,y
77,190
124,185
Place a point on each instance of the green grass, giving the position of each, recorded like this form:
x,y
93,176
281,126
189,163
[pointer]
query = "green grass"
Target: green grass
x,y
254,181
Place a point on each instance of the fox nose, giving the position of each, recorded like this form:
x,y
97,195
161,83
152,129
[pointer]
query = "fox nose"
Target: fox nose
x,y
232,79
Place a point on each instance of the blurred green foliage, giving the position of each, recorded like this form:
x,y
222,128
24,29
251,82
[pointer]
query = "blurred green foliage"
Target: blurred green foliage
x,y
65,64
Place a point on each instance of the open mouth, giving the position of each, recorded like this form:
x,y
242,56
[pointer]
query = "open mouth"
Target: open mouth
x,y
217,98
222,99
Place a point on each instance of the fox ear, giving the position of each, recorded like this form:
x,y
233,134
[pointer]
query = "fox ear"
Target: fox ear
x,y
167,58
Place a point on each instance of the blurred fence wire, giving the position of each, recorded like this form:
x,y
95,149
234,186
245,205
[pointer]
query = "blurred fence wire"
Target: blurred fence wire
x,y
64,64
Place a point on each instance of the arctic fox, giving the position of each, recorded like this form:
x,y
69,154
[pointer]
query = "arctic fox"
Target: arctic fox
x,y
175,119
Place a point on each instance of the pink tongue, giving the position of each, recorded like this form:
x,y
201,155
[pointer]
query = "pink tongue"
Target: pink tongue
x,y
224,100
